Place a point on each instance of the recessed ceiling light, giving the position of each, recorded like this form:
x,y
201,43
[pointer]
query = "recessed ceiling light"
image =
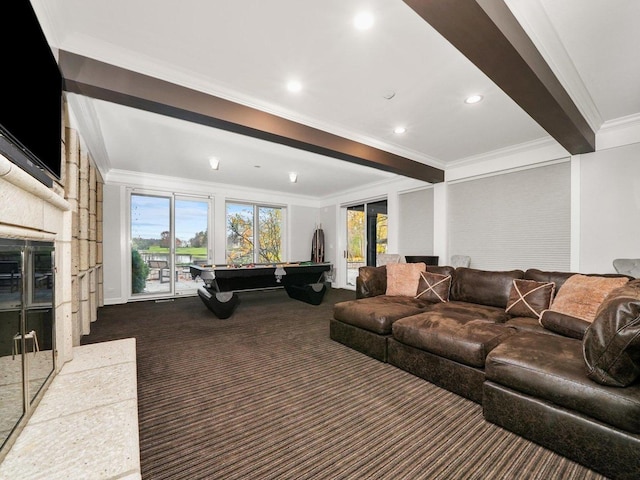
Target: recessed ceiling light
x,y
294,86
473,99
363,20
214,163
399,130
293,177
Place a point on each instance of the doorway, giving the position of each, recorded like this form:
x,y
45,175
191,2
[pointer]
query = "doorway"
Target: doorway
x,y
366,236
168,234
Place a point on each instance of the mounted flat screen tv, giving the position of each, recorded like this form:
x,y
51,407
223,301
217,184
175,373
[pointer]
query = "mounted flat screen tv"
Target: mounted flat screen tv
x,y
31,108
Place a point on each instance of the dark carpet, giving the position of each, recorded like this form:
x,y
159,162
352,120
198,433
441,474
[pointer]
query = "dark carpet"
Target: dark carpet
x,y
266,394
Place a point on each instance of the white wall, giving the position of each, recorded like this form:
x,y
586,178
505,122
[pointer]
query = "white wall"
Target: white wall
x,y
328,221
440,232
609,207
301,224
416,222
113,239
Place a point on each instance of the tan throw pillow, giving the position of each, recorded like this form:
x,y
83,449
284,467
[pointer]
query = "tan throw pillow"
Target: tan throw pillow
x,y
402,278
529,298
581,295
433,287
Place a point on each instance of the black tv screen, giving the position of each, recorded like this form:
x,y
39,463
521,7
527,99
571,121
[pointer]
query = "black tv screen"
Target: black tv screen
x,y
31,107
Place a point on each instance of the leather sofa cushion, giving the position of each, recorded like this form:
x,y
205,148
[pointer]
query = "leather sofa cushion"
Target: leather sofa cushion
x,y
611,345
482,286
558,278
441,269
552,368
371,281
469,311
564,324
461,336
377,314
527,324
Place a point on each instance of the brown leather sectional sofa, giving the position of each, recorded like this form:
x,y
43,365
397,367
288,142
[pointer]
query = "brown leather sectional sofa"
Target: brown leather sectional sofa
x,y
571,386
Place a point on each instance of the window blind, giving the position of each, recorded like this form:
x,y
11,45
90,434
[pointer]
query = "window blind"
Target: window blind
x,y
514,220
416,222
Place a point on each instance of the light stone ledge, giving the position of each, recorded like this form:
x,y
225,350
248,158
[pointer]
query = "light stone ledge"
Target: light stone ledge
x,y
86,425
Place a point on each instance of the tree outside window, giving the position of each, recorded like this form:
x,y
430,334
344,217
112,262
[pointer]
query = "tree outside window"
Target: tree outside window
x,y
251,241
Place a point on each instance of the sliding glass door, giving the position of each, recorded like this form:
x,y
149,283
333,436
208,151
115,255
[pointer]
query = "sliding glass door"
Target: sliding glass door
x,y
168,233
366,236
376,230
191,241
356,242
151,239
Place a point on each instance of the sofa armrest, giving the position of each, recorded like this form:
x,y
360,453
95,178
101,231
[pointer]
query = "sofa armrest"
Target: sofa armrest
x,y
371,281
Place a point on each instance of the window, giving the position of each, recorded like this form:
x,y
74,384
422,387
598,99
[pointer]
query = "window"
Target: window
x,y
519,219
254,233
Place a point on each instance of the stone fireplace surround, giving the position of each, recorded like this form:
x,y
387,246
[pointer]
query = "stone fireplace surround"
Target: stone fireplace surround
x,y
70,215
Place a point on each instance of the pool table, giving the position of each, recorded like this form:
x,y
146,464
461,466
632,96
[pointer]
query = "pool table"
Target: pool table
x,y
302,281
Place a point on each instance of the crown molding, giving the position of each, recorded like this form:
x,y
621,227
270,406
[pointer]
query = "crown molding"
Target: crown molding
x,y
510,151
618,132
518,156
48,15
83,114
546,39
165,183
162,183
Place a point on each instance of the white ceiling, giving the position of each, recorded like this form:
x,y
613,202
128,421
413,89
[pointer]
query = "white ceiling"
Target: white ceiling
x,y
247,50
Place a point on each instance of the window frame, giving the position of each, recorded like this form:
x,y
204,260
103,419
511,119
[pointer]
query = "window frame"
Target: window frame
x,y
255,212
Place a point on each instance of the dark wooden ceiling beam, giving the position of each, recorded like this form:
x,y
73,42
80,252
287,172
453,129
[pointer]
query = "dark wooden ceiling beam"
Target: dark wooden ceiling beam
x,y
488,34
99,80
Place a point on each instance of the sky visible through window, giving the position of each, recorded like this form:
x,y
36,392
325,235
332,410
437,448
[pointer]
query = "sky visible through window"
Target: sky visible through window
x,y
245,210
191,218
150,217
